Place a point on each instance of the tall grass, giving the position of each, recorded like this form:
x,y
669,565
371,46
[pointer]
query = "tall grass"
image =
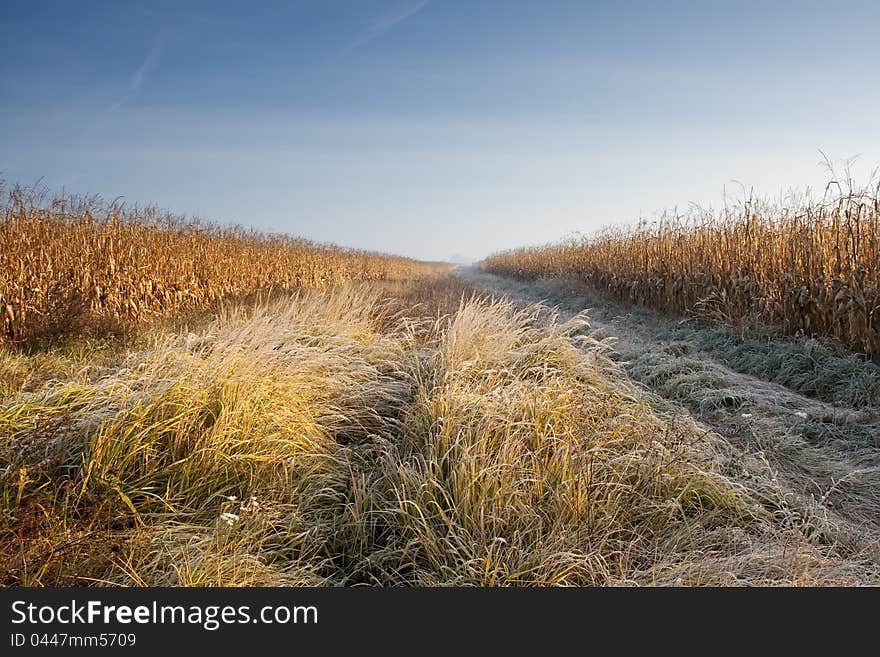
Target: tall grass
x,y
82,265
343,437
808,266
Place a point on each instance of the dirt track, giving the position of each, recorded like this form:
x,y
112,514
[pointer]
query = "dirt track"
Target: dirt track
x,y
828,456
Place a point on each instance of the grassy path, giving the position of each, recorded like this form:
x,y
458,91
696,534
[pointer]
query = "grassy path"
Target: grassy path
x,y
826,454
424,433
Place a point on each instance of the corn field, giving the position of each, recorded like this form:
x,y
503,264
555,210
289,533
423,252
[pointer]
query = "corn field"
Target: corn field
x,y
806,267
71,265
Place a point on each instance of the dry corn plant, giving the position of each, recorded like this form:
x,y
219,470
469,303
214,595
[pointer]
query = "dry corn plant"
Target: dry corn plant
x,y
808,267
71,265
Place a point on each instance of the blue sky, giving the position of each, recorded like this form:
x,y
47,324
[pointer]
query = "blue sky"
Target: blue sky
x,y
434,128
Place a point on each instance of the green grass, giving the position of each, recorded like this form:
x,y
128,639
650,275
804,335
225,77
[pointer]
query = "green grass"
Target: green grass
x,y
820,369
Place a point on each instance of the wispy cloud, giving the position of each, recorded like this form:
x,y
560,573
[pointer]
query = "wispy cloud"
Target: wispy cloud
x,y
140,74
381,27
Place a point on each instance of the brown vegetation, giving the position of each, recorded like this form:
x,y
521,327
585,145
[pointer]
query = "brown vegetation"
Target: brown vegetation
x,y
81,265
807,267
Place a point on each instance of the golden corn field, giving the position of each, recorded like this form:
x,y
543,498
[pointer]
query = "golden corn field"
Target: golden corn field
x,y
71,264
809,268
418,426
551,340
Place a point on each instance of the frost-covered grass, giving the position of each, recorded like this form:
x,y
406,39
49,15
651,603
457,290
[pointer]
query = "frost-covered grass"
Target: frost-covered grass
x,y
414,435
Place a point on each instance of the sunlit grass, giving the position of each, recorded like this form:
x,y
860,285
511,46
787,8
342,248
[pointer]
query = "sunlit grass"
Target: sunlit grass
x,y
363,435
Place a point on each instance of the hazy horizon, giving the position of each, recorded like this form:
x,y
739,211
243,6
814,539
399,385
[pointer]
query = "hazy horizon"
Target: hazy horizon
x,y
435,129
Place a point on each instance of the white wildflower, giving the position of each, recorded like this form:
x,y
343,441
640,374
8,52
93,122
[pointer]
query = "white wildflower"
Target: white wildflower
x,y
228,518
251,505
